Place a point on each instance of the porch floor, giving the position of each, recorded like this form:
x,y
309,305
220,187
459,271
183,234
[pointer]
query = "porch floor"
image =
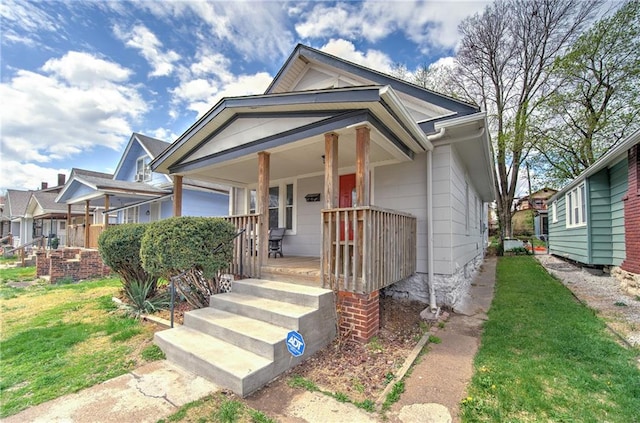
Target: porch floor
x,y
294,269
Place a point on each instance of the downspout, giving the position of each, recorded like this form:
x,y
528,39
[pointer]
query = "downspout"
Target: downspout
x,y
432,291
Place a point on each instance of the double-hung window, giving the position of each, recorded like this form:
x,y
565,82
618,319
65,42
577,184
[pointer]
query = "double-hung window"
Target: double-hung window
x,y
143,171
576,206
281,206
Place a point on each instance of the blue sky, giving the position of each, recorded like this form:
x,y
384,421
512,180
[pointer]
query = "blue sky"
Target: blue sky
x,y
78,77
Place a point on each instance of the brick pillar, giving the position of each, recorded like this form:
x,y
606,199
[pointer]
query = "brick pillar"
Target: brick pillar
x,y
42,263
632,214
359,315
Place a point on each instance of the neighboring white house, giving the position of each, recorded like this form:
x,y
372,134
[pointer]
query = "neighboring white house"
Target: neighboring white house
x,y
332,144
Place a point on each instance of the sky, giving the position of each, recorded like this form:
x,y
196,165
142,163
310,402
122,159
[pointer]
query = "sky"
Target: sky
x,y
79,77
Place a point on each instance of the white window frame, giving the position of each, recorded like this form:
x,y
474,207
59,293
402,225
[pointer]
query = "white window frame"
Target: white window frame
x,y
282,206
146,170
575,206
554,212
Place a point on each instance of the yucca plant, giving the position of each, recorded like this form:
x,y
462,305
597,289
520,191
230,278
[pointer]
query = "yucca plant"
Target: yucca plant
x,y
141,298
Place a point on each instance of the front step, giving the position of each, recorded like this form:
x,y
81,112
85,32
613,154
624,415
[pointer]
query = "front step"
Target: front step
x,y
249,327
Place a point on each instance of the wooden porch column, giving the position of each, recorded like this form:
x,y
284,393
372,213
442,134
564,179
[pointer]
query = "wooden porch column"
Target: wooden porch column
x,y
263,205
177,195
362,166
66,241
87,224
106,211
331,184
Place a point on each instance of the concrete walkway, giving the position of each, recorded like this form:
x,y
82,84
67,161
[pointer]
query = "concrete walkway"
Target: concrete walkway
x,y
432,391
146,394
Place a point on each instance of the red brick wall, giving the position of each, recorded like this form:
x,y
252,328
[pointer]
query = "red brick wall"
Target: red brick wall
x,y
632,214
359,315
70,263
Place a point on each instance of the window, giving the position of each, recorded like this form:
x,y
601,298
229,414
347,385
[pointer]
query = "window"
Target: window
x,y
576,206
143,172
131,215
466,206
554,212
281,206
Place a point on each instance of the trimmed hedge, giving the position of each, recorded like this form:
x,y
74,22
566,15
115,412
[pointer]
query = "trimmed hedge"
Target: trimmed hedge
x,y
186,244
119,246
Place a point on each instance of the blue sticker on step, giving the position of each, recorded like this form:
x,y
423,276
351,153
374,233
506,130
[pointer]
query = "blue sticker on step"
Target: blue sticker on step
x,y
295,343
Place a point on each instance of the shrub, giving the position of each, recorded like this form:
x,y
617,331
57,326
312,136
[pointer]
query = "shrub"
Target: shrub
x,y
185,244
119,246
141,300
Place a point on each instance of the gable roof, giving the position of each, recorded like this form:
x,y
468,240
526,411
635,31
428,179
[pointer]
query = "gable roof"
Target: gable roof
x,y
613,156
302,56
47,202
152,146
17,201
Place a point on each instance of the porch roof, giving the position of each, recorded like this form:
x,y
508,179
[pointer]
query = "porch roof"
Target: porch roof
x,y
222,145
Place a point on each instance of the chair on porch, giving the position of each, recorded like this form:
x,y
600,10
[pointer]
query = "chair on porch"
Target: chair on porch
x,y
275,241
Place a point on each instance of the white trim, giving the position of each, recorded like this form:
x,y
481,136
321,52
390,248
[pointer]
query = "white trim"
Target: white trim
x,y
575,202
554,212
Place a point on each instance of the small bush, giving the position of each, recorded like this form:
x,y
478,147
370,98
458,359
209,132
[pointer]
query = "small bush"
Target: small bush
x,y
119,246
185,244
140,299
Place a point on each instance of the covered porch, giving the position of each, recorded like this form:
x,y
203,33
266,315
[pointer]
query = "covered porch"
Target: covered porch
x,y
305,162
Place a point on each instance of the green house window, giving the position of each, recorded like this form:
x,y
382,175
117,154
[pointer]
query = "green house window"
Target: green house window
x,y
575,201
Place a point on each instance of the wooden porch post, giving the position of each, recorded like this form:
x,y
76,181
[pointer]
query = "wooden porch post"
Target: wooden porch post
x,y
106,211
177,195
263,205
87,225
362,166
66,241
331,189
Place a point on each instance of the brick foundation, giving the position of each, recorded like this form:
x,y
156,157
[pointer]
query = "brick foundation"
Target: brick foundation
x,y
359,315
632,214
74,263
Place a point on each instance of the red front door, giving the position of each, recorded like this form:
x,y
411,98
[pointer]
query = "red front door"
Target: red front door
x,y
347,198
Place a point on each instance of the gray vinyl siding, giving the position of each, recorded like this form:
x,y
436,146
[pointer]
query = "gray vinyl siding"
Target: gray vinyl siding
x,y
403,187
306,241
442,222
566,242
618,175
466,233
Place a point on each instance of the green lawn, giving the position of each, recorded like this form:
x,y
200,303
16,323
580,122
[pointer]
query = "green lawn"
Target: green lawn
x,y
58,339
545,357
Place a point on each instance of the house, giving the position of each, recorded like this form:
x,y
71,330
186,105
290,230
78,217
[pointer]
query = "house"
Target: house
x,y
24,226
134,194
381,185
530,216
384,180
50,218
595,219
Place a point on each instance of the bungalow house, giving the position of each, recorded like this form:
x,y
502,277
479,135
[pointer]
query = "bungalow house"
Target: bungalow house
x,y
595,219
134,194
380,185
50,218
24,226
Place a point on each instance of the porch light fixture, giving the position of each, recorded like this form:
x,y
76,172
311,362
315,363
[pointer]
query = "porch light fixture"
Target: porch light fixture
x,y
323,159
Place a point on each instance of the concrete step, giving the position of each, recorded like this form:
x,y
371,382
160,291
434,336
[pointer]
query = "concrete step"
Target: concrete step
x,y
277,313
258,337
227,365
311,296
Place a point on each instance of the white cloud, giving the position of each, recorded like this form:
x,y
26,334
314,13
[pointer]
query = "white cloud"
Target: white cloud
x,y
141,38
74,103
346,50
27,176
430,24
26,18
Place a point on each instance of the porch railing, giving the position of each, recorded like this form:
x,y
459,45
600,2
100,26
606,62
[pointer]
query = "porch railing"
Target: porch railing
x,y
245,247
366,248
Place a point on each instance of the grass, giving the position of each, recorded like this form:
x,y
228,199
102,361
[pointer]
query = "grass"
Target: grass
x,y
218,407
545,357
17,274
58,339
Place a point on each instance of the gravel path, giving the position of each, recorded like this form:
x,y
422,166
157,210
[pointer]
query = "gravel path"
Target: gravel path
x,y
601,292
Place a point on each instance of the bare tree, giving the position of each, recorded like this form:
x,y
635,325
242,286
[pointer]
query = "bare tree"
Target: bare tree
x,y
504,64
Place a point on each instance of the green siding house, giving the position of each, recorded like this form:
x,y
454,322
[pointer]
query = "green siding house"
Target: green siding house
x,y
587,217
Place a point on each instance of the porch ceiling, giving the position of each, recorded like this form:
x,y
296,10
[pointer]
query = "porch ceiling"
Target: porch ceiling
x,y
302,157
